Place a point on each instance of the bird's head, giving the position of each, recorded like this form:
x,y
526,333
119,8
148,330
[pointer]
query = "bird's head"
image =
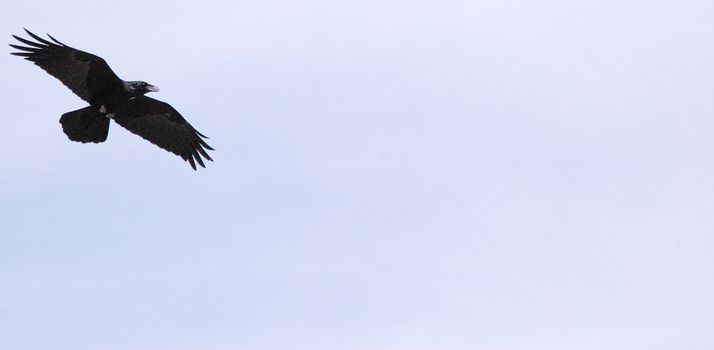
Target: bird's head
x,y
139,87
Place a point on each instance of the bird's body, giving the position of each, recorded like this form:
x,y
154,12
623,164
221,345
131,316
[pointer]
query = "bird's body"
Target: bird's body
x,y
109,97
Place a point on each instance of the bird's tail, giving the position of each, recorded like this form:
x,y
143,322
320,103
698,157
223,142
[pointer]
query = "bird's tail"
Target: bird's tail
x,y
85,125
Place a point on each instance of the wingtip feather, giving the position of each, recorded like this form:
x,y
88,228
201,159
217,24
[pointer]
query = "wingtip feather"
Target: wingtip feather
x,y
24,48
44,41
28,42
197,157
203,153
204,144
55,40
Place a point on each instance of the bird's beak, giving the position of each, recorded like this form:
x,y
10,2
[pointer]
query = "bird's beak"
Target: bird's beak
x,y
152,88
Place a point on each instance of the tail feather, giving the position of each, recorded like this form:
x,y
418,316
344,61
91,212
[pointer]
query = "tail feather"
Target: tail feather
x,y
85,125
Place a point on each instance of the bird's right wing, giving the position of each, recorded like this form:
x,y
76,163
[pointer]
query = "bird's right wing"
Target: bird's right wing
x,y
87,75
160,124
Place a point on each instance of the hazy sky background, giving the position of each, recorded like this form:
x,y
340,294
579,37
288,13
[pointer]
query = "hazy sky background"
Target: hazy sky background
x,y
389,175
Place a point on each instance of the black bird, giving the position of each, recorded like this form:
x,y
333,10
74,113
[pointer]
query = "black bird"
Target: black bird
x,y
109,97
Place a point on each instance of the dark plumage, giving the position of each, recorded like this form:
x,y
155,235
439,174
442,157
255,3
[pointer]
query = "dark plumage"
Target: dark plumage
x,y
109,97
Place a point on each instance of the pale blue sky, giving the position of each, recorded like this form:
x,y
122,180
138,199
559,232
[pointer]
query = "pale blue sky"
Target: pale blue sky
x,y
396,175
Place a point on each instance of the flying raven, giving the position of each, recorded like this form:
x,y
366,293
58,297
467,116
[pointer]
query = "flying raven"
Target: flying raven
x,y
109,97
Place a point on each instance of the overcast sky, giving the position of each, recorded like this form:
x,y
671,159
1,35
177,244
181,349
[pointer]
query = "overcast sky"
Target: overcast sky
x,y
388,175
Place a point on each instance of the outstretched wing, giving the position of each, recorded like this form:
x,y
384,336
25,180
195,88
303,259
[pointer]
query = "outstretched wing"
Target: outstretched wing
x,y
85,74
162,125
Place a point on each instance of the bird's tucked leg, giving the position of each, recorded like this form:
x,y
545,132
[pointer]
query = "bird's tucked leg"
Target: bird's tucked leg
x,y
103,109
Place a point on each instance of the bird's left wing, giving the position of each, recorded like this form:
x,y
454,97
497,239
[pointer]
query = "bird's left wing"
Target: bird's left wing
x,y
87,75
160,124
